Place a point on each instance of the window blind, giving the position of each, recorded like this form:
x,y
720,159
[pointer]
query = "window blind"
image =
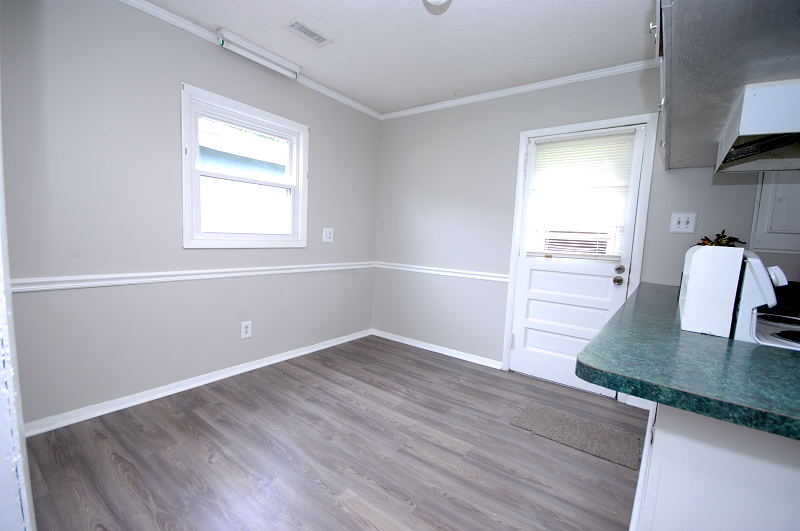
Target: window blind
x,y
578,194
228,149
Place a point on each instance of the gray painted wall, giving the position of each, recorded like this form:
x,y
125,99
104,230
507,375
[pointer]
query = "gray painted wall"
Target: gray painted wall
x,y
105,343
447,178
458,313
91,101
92,137
94,166
446,199
723,201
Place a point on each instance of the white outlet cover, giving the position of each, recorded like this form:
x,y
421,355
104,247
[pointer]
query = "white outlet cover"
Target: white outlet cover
x,y
247,329
327,235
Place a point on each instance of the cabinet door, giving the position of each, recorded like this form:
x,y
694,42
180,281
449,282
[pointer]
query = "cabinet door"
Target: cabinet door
x,y
777,223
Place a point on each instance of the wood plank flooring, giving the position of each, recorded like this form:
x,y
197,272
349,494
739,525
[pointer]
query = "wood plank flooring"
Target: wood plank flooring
x,y
371,434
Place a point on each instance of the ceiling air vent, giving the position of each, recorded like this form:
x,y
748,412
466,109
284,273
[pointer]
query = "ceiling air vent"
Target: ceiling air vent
x,y
308,34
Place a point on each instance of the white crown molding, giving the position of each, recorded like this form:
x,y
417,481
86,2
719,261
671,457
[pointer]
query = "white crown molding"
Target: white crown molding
x,y
530,87
23,285
182,23
341,98
172,18
473,358
210,36
463,273
42,425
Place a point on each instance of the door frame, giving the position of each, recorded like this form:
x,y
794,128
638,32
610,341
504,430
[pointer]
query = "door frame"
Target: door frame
x,y
14,478
650,123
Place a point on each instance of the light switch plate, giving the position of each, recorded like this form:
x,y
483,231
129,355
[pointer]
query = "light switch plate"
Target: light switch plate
x,y
327,235
683,222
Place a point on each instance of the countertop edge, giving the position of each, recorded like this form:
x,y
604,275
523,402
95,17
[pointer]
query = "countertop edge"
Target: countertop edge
x,y
747,416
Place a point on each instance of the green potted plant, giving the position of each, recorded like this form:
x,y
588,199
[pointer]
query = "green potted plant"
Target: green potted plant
x,y
721,240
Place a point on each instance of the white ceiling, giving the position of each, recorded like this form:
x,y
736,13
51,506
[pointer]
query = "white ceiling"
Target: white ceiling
x,y
395,54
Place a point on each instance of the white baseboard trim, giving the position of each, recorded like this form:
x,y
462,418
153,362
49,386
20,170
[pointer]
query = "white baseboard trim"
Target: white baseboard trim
x,y
60,420
480,360
38,426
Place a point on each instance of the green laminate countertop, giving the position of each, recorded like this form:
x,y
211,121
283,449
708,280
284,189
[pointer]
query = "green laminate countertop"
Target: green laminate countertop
x,y
642,351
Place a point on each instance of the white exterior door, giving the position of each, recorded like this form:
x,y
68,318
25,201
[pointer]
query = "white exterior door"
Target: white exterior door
x,y
581,194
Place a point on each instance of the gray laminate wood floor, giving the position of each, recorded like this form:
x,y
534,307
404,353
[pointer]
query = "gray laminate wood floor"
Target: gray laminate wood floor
x,y
368,435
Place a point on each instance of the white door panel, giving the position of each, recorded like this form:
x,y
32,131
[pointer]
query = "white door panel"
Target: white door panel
x,y
580,302
581,288
554,342
574,265
565,314
565,329
557,367
573,269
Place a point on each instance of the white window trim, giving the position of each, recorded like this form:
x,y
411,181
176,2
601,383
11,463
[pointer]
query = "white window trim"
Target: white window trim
x,y
198,102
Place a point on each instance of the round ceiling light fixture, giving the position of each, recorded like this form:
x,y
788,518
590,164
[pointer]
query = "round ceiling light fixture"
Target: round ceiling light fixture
x,y
436,7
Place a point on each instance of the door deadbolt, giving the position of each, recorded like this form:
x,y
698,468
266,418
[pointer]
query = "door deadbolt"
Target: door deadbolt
x,y
617,280
619,269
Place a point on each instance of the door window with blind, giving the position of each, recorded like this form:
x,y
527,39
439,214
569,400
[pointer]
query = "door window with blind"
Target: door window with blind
x,y
579,194
244,179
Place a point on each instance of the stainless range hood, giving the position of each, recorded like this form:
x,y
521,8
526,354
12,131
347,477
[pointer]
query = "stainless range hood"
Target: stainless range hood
x,y
763,130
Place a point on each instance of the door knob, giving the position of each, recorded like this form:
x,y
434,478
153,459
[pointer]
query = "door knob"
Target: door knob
x,y
617,280
619,269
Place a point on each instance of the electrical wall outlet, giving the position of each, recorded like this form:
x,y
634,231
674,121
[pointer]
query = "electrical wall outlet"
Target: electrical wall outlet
x,y
247,329
327,235
683,222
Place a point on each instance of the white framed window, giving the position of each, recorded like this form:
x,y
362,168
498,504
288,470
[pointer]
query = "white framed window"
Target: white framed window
x,y
244,174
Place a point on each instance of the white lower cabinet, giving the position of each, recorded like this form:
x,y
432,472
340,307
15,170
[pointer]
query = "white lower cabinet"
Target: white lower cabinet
x,y
706,474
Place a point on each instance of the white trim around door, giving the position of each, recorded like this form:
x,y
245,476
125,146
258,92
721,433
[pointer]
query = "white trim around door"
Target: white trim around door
x,y
650,122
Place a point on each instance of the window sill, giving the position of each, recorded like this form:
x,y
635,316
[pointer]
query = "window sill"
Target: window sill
x,y
243,244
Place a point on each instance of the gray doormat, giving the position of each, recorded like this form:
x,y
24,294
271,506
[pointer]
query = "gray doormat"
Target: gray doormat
x,y
613,443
